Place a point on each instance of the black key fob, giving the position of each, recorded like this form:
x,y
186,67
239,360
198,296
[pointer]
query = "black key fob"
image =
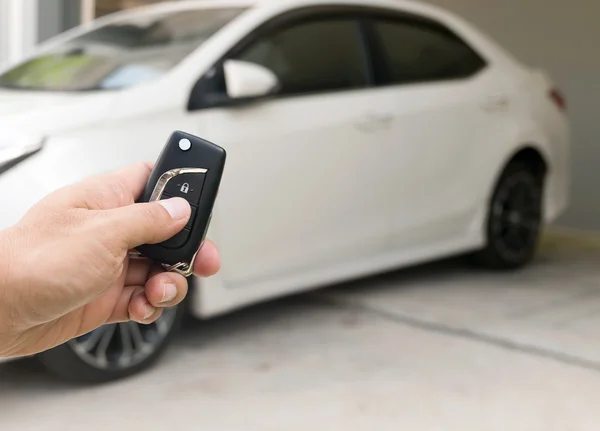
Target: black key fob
x,y
191,168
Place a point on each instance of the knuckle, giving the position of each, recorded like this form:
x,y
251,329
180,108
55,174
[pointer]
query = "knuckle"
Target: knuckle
x,y
99,195
150,215
106,192
106,245
107,265
110,234
153,221
120,193
144,166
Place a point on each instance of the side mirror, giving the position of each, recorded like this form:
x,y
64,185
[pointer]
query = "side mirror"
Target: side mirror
x,y
246,80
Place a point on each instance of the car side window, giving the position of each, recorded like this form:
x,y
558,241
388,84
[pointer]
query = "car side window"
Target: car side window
x,y
319,55
422,52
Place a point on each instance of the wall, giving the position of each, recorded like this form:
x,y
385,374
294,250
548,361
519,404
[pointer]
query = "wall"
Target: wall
x,y
561,37
50,18
104,7
18,32
4,30
24,23
56,16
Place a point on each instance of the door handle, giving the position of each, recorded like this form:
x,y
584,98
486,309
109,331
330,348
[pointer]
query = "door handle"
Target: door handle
x,y
495,102
373,121
383,119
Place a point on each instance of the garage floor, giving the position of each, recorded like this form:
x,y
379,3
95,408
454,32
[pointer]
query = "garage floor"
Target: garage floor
x,y
438,347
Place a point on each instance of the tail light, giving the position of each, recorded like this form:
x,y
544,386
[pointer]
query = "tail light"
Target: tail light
x,y
558,99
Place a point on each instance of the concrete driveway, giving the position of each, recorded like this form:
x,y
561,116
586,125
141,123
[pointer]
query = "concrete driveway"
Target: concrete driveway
x,y
438,347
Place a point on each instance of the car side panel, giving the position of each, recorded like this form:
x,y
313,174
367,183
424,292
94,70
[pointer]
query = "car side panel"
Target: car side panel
x,y
496,142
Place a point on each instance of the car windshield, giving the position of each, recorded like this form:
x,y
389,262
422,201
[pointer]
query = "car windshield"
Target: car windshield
x,y
120,54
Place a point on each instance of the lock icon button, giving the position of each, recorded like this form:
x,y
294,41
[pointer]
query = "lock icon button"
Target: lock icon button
x,y
187,186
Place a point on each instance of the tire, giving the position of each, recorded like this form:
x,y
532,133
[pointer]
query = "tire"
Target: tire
x,y
98,357
514,219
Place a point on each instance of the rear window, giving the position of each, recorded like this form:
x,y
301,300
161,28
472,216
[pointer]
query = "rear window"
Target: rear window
x,y
419,52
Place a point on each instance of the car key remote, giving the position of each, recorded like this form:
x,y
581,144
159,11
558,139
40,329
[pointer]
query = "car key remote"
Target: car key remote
x,y
191,168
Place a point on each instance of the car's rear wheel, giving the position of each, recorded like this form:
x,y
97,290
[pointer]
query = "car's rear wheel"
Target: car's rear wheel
x,y
514,219
113,351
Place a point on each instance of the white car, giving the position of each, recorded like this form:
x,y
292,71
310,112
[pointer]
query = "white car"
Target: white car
x,y
362,136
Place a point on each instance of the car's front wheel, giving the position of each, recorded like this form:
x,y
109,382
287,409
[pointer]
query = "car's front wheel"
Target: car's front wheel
x,y
514,219
113,351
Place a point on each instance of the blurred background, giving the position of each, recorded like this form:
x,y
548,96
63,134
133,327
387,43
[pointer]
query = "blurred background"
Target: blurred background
x,y
439,346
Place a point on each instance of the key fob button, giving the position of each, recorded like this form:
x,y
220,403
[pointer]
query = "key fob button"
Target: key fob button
x,y
193,214
192,218
187,186
178,240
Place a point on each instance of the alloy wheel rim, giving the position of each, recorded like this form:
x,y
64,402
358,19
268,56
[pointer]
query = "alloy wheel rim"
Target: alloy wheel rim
x,y
123,345
516,216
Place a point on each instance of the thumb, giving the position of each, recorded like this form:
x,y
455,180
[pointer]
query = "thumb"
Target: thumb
x,y
149,223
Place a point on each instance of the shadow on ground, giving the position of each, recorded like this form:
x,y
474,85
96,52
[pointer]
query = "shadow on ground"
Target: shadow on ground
x,y
27,374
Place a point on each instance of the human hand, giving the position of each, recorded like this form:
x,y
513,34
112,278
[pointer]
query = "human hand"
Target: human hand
x,y
65,268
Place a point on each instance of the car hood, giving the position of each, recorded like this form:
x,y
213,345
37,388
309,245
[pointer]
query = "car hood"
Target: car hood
x,y
43,113
17,101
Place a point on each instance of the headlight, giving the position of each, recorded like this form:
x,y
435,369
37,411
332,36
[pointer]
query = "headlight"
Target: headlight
x,y
14,151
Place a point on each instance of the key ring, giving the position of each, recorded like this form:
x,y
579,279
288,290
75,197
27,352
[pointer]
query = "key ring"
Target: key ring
x,y
185,269
182,268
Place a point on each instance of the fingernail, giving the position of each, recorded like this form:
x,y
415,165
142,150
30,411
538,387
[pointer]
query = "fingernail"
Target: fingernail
x,y
177,208
148,311
169,292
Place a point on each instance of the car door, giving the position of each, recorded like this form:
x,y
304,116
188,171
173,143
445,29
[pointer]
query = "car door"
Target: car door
x,y
302,188
434,84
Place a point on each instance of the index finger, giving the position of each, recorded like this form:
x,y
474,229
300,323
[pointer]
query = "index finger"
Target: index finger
x,y
132,179
112,190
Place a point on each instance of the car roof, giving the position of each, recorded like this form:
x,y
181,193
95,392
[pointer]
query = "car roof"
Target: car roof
x,y
409,6
174,5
